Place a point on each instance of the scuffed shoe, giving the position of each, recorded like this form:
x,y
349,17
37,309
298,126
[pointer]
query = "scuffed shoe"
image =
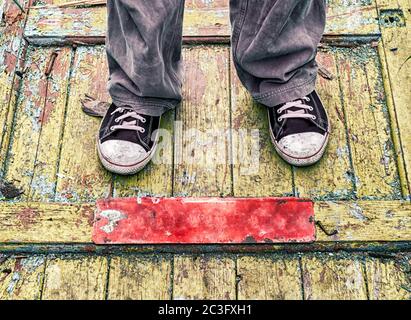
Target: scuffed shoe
x,y
300,130
127,140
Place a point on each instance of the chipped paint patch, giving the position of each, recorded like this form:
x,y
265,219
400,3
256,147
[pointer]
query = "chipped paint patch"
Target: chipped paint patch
x,y
113,217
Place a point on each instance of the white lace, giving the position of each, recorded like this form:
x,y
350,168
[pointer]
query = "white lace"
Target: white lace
x,y
128,125
297,114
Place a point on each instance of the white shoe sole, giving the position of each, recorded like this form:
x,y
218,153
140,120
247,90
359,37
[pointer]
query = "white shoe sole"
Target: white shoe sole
x,y
125,170
301,162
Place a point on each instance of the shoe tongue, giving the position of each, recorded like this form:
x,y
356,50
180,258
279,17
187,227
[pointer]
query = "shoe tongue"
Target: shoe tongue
x,y
298,125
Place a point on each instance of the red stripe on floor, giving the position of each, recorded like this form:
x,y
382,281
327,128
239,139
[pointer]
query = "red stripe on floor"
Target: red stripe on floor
x,y
203,220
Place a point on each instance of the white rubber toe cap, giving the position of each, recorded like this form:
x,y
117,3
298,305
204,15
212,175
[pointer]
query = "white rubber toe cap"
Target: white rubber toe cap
x,y
122,153
302,145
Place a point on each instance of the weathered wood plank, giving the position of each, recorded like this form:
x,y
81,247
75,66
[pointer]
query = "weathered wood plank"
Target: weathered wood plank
x,y
273,278
27,124
45,222
139,278
387,280
327,278
368,123
395,20
75,278
202,140
365,220
204,277
257,168
21,278
63,223
43,183
202,19
80,176
11,56
332,177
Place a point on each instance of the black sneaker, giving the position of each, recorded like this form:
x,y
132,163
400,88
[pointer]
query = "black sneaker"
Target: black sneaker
x,y
127,140
300,130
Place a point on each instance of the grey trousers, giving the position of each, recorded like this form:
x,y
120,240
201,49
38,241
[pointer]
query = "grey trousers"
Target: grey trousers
x,y
274,44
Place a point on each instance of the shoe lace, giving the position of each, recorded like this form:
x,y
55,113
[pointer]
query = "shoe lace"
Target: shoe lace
x,y
300,113
127,125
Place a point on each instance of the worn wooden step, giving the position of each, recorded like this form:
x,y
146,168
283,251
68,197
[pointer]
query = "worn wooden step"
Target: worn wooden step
x,y
271,277
203,21
37,222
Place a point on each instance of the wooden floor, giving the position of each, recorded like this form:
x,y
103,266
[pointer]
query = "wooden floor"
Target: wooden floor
x,y
361,188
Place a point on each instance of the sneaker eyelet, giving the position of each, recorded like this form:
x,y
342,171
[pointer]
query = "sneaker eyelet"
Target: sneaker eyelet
x,y
143,130
311,109
116,120
314,117
112,128
143,120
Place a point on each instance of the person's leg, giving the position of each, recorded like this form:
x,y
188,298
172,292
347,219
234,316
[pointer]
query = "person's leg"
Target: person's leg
x,y
144,55
274,44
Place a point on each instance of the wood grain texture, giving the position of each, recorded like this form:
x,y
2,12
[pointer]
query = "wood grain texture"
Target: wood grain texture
x,y
11,55
81,176
332,177
368,123
43,184
202,19
45,222
365,220
269,278
257,168
388,279
202,140
326,278
21,278
28,120
396,52
75,278
204,277
139,278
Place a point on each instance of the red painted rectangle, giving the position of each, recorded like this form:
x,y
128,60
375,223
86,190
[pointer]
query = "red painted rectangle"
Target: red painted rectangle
x,y
203,220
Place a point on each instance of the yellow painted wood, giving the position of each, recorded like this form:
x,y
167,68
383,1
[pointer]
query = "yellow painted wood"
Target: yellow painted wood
x,y
328,278
75,278
370,140
387,280
57,223
365,220
257,168
45,222
332,176
157,177
139,278
204,277
397,49
355,16
43,183
269,278
27,124
202,140
21,278
81,176
202,19
11,48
